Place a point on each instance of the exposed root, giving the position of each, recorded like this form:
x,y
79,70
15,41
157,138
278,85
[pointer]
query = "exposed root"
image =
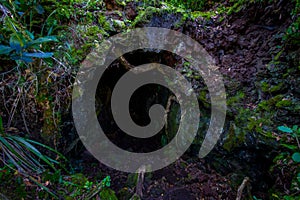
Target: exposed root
x,y
140,181
242,187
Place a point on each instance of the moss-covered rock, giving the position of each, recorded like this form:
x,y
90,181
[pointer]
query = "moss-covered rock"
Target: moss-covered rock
x,y
144,16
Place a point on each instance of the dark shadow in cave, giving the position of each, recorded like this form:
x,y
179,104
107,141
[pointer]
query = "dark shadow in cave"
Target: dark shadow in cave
x,y
141,100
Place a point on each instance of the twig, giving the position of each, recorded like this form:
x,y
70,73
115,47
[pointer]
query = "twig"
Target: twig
x,y
13,109
241,188
297,140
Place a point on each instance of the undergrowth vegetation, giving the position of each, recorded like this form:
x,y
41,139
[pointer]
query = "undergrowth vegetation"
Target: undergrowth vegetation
x,y
42,44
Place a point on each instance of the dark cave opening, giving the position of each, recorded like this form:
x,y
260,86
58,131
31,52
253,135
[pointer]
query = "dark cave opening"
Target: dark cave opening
x,y
140,102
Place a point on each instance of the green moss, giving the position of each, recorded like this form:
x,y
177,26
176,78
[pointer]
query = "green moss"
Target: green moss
x,y
238,5
92,31
249,121
79,179
132,180
268,105
145,15
51,120
79,54
103,22
230,138
256,123
121,2
118,24
124,194
108,194
278,55
276,88
231,101
283,103
203,98
189,4
234,137
235,8
265,87
205,15
118,13
88,18
292,35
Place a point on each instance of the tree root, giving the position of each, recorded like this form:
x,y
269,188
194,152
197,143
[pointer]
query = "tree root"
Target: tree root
x,y
242,187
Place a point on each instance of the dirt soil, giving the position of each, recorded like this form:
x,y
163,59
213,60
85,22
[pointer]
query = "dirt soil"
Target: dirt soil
x,y
185,179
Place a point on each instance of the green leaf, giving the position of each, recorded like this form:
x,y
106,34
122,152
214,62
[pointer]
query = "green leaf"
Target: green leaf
x,y
25,59
285,129
295,128
17,41
106,181
296,157
290,146
47,147
42,40
16,154
39,9
39,55
5,49
32,149
255,198
288,198
30,34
